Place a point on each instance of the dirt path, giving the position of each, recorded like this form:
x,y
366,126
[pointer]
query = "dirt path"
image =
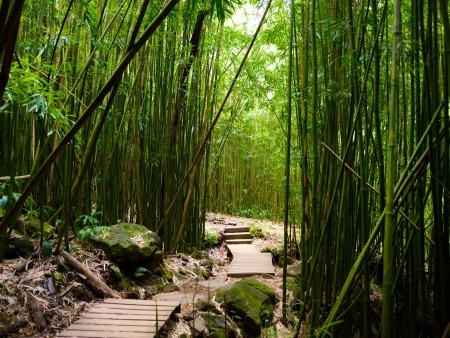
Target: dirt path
x,y
194,289
25,280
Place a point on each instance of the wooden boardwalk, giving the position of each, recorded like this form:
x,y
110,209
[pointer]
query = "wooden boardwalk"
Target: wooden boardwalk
x,y
247,259
123,318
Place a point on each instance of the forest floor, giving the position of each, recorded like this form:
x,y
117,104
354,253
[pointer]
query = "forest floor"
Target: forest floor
x,y
63,305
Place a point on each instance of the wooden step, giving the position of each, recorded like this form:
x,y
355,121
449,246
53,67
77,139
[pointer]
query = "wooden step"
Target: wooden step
x,y
237,235
118,318
237,229
239,241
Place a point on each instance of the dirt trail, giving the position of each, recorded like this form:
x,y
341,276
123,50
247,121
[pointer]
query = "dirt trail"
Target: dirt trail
x,y
73,297
193,289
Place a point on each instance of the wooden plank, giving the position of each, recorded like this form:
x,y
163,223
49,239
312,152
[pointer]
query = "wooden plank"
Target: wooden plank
x,y
242,248
239,241
121,311
237,229
111,328
249,261
140,302
106,334
124,322
250,273
118,318
133,307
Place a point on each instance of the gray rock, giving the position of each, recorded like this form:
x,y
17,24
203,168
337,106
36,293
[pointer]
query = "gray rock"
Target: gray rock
x,y
289,261
130,246
208,263
294,270
198,327
170,287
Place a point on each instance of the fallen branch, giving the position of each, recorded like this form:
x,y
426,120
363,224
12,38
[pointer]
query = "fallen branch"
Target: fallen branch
x,y
13,327
98,285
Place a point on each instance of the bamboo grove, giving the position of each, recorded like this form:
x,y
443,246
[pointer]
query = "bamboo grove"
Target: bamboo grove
x,y
336,122
372,121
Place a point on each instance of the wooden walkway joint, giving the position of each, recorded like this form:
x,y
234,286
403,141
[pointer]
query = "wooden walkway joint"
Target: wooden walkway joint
x,y
247,259
119,318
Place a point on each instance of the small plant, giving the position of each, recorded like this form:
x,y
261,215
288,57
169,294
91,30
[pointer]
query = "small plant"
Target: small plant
x,y
212,238
89,220
90,226
89,232
140,272
256,232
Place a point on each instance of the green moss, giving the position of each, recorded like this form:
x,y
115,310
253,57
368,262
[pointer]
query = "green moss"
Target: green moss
x,y
32,226
249,307
256,284
130,246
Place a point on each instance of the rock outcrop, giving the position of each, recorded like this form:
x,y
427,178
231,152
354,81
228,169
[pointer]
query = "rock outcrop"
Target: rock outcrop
x,y
249,303
130,246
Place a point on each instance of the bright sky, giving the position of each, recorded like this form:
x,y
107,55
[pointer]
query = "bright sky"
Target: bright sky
x,y
247,17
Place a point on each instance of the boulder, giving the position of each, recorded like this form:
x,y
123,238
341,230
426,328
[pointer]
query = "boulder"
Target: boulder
x,y
208,263
170,287
19,246
130,246
289,261
32,227
264,288
199,254
249,307
294,270
198,327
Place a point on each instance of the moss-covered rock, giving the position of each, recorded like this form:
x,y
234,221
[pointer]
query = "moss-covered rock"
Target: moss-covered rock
x,y
19,246
294,270
130,246
264,288
32,227
249,307
289,261
197,254
208,263
170,287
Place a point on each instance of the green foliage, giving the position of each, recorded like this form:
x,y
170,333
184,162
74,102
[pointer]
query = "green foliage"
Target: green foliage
x,y
140,272
29,203
90,225
224,7
89,220
89,232
212,238
117,271
256,232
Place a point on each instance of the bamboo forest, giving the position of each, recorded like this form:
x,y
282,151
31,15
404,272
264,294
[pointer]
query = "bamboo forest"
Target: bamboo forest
x,y
330,117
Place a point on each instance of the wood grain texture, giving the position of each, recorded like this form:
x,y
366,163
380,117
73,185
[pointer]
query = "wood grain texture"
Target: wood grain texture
x,y
249,261
130,318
